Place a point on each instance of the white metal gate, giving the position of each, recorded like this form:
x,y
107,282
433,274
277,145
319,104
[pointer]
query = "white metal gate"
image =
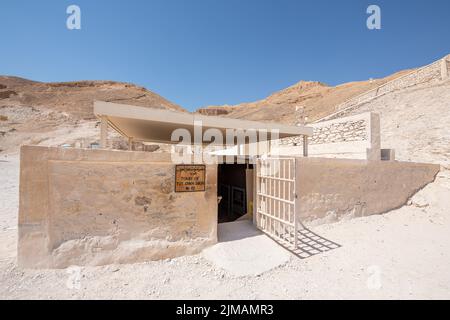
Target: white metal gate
x,y
276,199
276,208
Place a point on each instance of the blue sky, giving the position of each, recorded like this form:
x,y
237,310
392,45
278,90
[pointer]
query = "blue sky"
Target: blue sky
x,y
204,52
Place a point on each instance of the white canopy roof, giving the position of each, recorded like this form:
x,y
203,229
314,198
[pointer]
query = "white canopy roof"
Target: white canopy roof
x,y
157,125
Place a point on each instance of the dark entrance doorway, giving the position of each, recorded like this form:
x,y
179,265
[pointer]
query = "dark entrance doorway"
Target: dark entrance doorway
x,y
231,190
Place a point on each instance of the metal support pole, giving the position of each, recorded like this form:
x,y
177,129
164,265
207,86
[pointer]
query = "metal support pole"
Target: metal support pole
x,y
305,146
296,201
256,187
130,144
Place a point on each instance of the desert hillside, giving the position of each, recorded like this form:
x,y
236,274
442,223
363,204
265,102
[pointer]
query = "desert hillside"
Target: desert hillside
x,y
317,100
52,114
55,113
75,98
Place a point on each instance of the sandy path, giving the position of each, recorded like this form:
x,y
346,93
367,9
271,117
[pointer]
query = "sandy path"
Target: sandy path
x,y
402,254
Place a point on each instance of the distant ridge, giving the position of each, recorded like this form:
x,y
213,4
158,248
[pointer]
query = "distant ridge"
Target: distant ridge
x,y
314,99
76,98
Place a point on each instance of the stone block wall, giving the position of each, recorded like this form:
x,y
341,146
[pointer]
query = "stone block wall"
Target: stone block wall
x,y
96,207
343,131
355,136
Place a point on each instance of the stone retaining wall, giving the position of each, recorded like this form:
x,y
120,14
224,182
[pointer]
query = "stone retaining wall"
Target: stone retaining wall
x,y
96,207
356,136
344,130
330,190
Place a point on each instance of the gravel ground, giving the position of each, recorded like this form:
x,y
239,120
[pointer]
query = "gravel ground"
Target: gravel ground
x,y
402,254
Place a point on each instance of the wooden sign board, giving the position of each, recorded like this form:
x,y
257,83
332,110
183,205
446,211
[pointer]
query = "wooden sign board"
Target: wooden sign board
x,y
190,178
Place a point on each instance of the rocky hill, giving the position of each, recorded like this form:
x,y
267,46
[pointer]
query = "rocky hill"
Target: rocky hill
x,y
76,98
41,113
56,113
315,99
